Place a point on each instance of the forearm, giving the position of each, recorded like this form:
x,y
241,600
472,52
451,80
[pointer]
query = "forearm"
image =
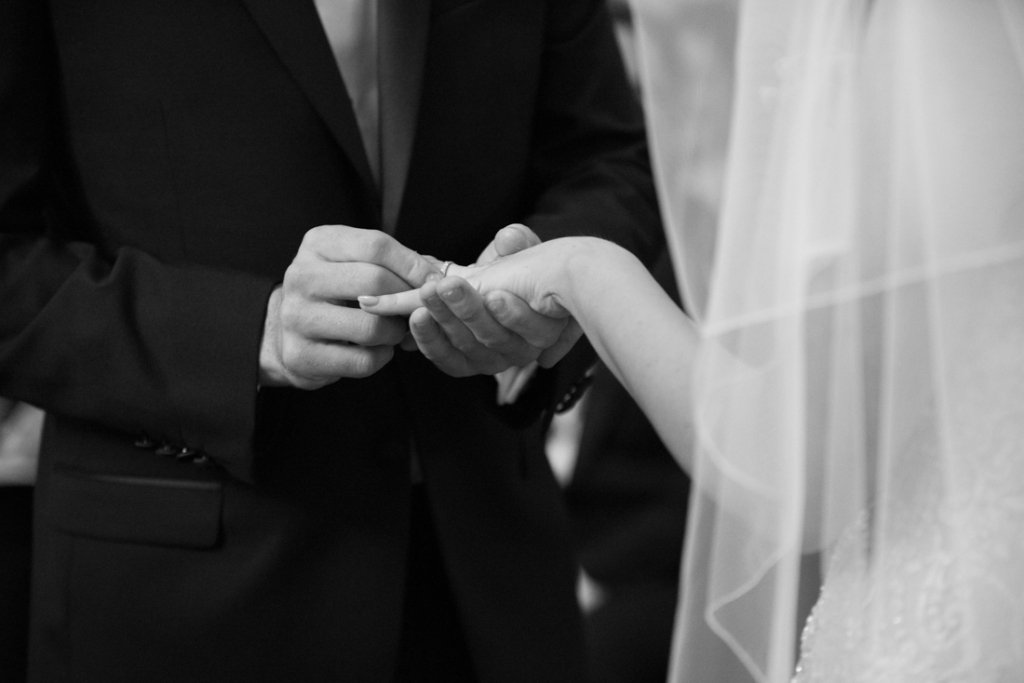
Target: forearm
x,y
639,332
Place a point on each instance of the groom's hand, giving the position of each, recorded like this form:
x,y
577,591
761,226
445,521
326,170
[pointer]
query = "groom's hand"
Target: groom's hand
x,y
312,335
466,334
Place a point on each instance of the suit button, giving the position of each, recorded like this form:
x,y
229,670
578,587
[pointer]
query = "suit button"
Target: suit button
x,y
186,453
574,394
167,449
144,442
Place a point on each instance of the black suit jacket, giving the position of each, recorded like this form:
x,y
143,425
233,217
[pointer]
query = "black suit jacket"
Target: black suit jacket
x,y
160,162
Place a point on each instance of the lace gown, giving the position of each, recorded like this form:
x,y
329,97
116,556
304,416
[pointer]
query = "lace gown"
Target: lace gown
x,y
928,586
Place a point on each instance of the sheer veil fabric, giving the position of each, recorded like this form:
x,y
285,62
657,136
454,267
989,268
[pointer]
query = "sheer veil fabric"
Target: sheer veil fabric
x,y
860,389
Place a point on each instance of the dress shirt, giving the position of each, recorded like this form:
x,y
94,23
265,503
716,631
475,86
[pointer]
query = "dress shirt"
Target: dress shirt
x,y
351,27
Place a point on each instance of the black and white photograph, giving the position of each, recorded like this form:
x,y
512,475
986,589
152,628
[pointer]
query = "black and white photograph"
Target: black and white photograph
x,y
512,341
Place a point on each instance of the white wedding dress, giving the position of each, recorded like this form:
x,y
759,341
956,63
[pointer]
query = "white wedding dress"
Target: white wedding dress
x,y
860,391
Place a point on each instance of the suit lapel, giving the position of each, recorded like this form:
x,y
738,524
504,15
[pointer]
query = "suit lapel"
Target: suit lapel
x,y
402,40
296,34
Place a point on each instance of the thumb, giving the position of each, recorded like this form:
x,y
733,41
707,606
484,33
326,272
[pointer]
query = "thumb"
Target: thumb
x,y
514,238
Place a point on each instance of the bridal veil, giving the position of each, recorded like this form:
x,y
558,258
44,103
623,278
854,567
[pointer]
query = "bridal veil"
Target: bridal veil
x,y
860,390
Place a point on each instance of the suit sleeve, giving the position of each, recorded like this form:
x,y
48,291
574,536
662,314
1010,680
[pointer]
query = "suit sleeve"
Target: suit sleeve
x,y
591,172
590,168
100,334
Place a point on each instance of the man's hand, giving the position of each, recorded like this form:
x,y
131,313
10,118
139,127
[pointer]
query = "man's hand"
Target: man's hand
x,y
312,336
466,334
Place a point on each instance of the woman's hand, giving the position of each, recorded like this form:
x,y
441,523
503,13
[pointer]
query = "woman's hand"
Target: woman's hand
x,y
466,334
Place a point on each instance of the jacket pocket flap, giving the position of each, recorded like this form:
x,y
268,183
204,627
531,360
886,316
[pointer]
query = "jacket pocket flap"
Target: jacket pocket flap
x,y
175,512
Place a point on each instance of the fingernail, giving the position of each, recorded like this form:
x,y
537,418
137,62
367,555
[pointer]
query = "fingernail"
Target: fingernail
x,y
454,294
368,300
496,306
433,277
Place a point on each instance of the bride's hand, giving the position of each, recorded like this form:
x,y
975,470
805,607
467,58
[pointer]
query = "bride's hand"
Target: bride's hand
x,y
550,333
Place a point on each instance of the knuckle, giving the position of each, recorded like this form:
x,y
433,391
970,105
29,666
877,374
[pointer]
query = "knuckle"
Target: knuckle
x,y
378,280
373,330
439,312
297,278
465,345
423,327
308,239
367,361
293,353
290,314
362,329
500,339
474,315
292,274
314,237
360,366
375,243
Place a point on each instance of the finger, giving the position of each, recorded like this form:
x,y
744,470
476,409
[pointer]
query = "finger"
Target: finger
x,y
437,263
346,281
434,345
454,329
508,240
566,341
455,270
468,306
403,303
408,342
315,364
515,314
341,243
329,322
513,238
488,254
484,360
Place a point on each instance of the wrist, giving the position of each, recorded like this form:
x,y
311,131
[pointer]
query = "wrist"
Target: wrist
x,y
592,265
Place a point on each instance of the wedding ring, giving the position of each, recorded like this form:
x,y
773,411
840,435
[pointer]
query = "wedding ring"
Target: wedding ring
x,y
444,268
